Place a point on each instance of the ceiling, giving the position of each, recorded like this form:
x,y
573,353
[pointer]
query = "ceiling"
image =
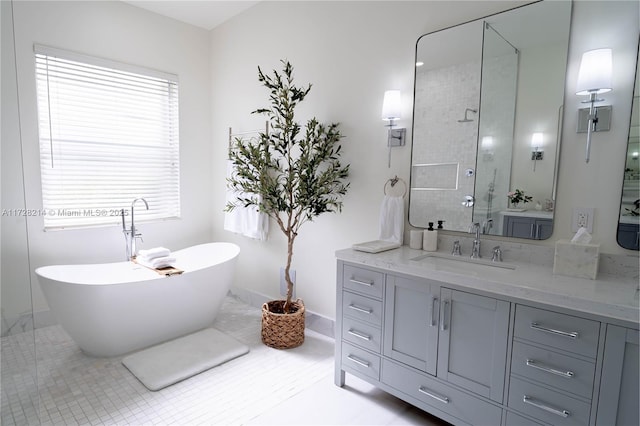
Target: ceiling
x,y
206,14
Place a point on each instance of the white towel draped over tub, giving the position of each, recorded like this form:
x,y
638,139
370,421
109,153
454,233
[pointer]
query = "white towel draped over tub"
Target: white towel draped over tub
x,y
247,221
392,219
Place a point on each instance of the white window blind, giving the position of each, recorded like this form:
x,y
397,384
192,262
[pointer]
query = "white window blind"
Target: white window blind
x,y
108,134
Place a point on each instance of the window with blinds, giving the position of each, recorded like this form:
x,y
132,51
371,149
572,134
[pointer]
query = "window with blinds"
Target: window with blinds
x,y
108,134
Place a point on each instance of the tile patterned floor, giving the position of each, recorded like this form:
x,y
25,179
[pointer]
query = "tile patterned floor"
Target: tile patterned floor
x,y
257,388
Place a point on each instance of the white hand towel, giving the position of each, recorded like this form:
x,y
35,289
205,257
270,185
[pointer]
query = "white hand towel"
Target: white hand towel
x,y
157,263
247,221
392,219
154,252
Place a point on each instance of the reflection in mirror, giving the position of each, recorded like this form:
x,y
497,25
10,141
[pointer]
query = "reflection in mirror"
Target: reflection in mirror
x,y
628,225
486,87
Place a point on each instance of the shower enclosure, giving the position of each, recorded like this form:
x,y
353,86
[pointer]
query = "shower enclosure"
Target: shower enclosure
x,y
496,129
19,385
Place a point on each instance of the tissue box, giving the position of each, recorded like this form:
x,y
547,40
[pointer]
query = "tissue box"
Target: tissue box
x,y
576,259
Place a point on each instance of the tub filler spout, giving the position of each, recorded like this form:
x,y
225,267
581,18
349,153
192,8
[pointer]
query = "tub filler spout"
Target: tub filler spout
x,y
132,235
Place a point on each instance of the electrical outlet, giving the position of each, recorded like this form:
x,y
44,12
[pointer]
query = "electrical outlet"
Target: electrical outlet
x,y
582,218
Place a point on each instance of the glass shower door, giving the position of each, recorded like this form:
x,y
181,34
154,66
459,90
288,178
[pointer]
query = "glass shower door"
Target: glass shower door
x,y
19,385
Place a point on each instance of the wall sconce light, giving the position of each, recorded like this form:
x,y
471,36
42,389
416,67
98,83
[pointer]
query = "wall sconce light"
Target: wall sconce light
x,y
391,111
486,144
594,77
536,144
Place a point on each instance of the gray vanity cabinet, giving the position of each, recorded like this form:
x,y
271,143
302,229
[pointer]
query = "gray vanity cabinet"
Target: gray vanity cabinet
x,y
472,359
441,349
472,345
629,235
527,227
619,395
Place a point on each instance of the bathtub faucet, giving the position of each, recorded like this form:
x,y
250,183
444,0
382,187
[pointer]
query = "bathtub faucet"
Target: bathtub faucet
x,y
131,235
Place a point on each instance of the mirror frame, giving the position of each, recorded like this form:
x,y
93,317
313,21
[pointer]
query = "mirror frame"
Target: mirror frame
x,y
628,234
552,152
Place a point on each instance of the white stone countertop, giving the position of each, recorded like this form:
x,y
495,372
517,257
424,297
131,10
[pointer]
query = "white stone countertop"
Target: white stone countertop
x,y
609,296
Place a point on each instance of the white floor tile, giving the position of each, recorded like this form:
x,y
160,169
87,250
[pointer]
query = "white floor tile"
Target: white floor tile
x,y
265,387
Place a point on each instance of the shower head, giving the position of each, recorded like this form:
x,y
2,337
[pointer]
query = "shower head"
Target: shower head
x,y
466,118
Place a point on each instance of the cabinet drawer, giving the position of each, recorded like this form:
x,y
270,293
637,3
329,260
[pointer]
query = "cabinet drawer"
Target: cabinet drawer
x,y
440,396
362,280
359,360
362,334
362,308
553,369
565,332
513,419
547,405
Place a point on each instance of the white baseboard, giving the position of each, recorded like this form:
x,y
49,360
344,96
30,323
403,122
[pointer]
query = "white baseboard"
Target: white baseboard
x,y
316,322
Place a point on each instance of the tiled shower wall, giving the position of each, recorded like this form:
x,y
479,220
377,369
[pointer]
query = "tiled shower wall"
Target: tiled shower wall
x,y
441,144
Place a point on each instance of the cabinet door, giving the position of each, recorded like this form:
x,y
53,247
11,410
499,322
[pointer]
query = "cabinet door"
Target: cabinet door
x,y
619,394
628,235
411,322
520,227
473,342
544,229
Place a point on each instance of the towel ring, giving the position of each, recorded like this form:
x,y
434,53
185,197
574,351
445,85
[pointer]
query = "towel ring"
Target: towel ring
x,y
392,182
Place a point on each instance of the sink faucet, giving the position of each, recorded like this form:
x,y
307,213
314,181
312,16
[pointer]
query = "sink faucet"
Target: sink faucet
x,y
497,254
456,251
487,225
475,251
131,235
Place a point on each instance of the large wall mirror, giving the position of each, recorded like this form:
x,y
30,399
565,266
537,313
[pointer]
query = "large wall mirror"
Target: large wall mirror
x,y
487,119
629,222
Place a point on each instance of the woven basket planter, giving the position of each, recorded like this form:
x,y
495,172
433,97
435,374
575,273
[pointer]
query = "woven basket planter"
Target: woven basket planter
x,y
280,330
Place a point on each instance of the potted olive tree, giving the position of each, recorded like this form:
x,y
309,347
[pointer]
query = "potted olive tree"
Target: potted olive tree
x,y
292,174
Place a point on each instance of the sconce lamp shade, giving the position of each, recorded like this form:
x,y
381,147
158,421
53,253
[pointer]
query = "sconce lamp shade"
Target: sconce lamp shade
x,y
391,105
536,140
594,75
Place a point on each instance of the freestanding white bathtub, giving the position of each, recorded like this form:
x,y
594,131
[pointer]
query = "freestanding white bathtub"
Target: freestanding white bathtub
x,y
110,309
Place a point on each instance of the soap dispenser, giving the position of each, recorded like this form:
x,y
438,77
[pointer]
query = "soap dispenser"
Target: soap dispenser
x,y
430,239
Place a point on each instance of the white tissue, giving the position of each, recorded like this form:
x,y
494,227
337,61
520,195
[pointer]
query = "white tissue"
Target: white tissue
x,y
582,237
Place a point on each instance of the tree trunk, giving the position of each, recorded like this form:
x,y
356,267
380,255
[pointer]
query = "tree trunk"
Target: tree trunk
x,y
287,272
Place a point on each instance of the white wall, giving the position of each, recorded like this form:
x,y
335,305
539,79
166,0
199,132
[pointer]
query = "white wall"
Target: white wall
x,y
352,52
117,31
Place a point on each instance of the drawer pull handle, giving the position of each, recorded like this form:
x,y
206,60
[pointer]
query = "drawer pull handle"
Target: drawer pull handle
x,y
562,413
443,399
367,283
572,335
443,324
359,335
434,305
358,361
359,309
532,363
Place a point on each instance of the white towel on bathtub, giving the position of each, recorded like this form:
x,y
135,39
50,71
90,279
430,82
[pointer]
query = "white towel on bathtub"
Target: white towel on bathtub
x,y
158,262
154,253
247,221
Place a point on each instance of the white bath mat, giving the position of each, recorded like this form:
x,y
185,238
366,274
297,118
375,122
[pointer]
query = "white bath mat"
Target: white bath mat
x,y
170,362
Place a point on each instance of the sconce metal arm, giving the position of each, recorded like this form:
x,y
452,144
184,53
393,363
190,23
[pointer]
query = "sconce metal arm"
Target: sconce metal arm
x,y
593,121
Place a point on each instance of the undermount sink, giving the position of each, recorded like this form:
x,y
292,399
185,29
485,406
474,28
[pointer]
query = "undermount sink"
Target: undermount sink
x,y
447,260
